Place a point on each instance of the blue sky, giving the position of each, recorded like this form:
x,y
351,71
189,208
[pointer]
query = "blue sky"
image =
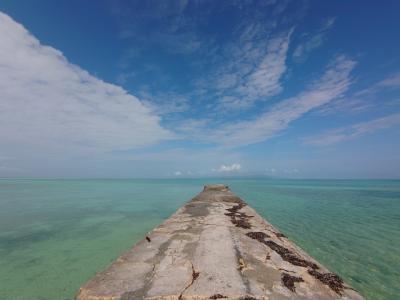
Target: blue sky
x,y
298,89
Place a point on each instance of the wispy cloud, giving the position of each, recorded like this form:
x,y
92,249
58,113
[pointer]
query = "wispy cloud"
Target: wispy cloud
x,y
165,103
250,84
332,85
312,42
364,99
354,131
175,32
49,103
391,82
264,81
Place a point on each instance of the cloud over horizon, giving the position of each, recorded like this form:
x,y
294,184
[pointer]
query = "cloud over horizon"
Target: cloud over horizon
x,y
228,168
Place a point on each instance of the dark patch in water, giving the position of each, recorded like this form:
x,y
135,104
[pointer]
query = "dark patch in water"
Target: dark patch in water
x,y
330,279
289,281
24,240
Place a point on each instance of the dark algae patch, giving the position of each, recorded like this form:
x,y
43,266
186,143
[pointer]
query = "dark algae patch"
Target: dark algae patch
x,y
148,239
217,296
279,235
242,223
236,208
289,256
289,281
238,218
330,279
285,253
258,235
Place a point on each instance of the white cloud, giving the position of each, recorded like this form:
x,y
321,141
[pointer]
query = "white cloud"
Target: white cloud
x,y
228,168
330,86
48,103
177,173
351,132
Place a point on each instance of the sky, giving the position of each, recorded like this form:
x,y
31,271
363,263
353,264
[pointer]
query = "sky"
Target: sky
x,y
177,89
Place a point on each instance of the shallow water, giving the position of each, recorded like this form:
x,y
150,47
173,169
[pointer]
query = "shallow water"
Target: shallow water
x,y
55,234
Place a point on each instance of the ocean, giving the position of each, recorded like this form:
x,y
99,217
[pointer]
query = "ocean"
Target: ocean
x,y
56,234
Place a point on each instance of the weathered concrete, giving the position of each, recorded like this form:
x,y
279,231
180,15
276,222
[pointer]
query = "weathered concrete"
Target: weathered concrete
x,y
215,247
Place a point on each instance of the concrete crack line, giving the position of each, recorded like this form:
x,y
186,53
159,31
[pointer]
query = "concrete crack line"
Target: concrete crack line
x,y
195,275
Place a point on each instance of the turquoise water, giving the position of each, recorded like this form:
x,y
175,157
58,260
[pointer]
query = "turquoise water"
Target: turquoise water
x,y
55,234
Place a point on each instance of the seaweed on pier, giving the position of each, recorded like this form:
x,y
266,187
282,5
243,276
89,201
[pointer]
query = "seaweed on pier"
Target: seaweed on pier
x,y
235,208
231,214
285,253
289,256
289,281
241,263
243,215
330,279
239,218
217,296
258,235
278,234
248,298
242,223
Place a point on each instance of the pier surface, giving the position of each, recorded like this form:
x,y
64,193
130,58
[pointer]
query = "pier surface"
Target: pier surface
x,y
215,247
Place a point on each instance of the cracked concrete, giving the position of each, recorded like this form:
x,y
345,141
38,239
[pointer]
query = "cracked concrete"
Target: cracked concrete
x,y
206,250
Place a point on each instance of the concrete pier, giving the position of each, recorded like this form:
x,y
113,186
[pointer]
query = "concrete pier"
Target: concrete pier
x,y
215,247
